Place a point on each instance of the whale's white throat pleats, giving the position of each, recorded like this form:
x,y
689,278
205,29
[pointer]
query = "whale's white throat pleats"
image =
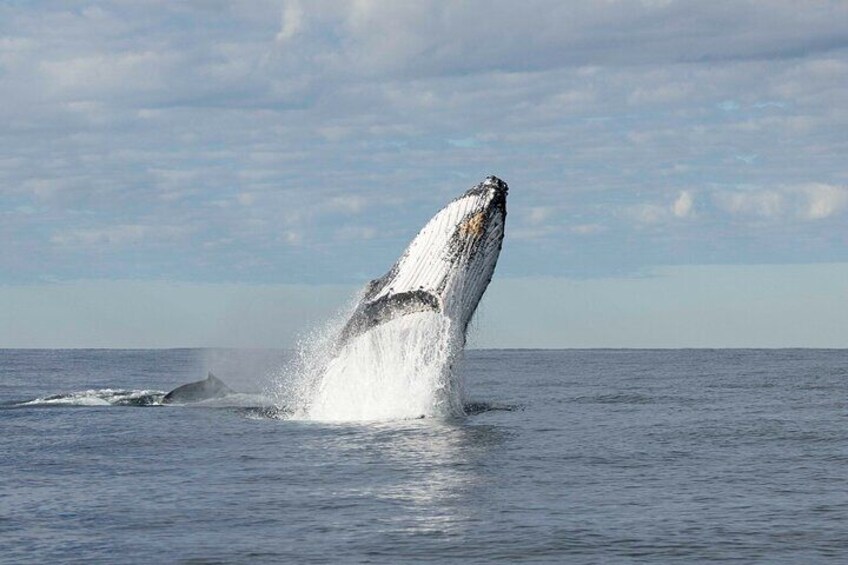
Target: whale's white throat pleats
x,y
446,268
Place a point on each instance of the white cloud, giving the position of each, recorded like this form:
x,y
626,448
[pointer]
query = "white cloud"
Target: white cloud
x,y
43,188
811,201
118,235
92,75
181,115
823,200
292,237
423,38
665,91
652,213
682,207
531,233
648,213
357,233
292,21
246,198
348,203
539,214
587,229
763,203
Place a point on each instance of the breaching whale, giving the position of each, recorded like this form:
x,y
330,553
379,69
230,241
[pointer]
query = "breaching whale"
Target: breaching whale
x,y
211,387
447,266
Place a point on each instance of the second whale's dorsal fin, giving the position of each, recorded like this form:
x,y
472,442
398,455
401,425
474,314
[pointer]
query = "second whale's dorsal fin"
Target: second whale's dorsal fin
x,y
217,384
210,387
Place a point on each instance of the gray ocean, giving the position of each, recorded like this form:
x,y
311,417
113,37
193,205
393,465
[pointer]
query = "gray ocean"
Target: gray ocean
x,y
575,456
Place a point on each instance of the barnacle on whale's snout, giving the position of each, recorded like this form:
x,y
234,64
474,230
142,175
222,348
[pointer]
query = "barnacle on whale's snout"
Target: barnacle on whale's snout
x,y
474,226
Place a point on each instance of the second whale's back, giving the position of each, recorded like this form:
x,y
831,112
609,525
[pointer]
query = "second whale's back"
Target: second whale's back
x,y
211,387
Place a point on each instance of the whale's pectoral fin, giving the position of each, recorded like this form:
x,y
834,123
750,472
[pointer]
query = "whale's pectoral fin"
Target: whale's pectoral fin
x,y
389,307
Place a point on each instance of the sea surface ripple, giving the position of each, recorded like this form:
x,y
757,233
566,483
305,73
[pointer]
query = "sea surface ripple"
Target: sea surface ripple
x,y
578,456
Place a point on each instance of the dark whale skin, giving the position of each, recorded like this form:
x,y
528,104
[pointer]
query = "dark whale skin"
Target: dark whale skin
x,y
211,387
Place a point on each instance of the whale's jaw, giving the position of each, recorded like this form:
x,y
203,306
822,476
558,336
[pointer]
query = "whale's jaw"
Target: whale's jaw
x,y
447,266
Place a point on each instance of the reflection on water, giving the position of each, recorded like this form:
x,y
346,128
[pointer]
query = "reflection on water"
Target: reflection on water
x,y
429,471
445,465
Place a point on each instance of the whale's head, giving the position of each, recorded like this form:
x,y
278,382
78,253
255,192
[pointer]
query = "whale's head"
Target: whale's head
x,y
446,268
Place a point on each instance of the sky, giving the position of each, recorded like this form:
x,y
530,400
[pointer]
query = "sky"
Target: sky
x,y
228,173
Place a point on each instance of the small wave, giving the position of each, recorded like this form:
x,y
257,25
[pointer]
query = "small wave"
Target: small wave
x,y
101,397
234,400
475,408
630,398
265,412
113,397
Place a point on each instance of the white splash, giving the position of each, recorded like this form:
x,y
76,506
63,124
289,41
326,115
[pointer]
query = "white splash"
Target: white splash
x,y
100,397
397,370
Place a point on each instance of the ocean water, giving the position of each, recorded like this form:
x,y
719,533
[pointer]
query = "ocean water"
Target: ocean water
x,y
568,456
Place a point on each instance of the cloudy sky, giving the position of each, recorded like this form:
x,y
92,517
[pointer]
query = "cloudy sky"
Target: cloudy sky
x,y
226,173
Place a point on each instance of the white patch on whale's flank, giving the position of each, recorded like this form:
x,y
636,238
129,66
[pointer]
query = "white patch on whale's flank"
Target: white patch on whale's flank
x,y
394,357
